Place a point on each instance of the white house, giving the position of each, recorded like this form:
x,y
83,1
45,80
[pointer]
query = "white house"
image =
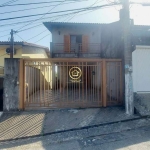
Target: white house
x,y
141,77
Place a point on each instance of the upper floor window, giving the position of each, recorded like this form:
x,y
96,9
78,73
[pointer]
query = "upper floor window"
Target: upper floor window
x,y
75,43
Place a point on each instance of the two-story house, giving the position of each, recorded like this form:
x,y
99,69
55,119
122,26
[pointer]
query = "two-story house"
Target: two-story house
x,y
74,39
87,68
85,40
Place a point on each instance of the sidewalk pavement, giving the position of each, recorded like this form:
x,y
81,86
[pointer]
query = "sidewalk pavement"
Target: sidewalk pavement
x,y
15,125
127,135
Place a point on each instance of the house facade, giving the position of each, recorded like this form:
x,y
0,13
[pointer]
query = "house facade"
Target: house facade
x,y
141,70
21,50
141,80
83,70
75,40
84,40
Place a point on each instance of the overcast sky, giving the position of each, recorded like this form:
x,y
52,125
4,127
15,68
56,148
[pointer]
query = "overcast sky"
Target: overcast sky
x,y
139,13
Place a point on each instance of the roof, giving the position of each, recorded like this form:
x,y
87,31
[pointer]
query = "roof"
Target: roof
x,y
72,23
136,29
141,33
23,43
50,25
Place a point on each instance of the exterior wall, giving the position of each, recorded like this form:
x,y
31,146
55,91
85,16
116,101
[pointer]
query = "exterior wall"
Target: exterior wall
x,y
142,103
141,69
21,52
33,52
94,34
11,88
141,79
4,55
104,41
11,76
111,41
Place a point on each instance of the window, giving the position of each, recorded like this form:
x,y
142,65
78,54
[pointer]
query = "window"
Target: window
x,y
76,43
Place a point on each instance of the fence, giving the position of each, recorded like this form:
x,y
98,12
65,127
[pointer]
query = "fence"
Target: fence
x,y
71,83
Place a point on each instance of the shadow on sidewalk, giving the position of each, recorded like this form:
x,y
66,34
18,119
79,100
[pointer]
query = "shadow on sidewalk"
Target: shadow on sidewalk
x,y
32,123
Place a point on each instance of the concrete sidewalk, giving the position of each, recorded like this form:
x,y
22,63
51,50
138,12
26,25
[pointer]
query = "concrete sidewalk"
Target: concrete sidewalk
x,y
32,123
131,135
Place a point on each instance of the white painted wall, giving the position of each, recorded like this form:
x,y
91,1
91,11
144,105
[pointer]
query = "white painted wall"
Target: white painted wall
x,y
141,69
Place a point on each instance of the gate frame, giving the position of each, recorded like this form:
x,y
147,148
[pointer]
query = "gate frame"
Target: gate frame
x,y
22,85
104,100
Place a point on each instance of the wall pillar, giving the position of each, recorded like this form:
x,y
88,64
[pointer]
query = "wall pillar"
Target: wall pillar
x,y
11,86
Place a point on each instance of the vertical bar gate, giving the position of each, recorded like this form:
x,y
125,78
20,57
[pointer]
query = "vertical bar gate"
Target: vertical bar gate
x,y
74,83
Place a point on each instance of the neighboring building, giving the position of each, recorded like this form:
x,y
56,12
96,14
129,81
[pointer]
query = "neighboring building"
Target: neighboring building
x,y
141,68
21,50
141,78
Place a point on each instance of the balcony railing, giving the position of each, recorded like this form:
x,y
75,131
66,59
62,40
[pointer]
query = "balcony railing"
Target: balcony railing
x,y
75,50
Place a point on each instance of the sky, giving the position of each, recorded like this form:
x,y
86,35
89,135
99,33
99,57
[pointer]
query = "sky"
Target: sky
x,y
38,33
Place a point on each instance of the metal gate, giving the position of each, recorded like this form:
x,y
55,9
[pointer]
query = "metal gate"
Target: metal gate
x,y
70,83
